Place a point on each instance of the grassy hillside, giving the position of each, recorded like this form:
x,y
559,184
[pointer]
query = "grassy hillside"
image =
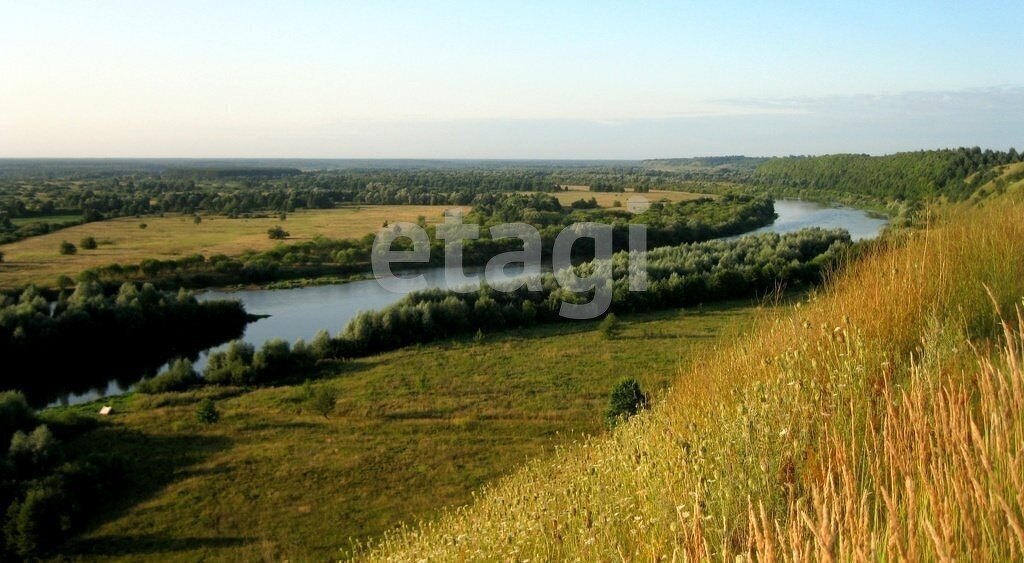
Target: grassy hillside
x,y
413,431
881,419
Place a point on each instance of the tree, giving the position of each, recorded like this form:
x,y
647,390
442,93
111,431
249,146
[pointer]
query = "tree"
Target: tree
x,y
323,400
197,219
181,376
277,233
609,326
143,225
207,412
626,400
67,249
88,243
1,257
15,414
322,347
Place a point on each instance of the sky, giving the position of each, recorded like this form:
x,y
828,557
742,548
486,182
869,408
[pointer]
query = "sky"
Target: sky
x,y
525,79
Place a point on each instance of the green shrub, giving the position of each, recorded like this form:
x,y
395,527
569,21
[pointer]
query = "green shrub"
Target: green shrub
x,y
32,454
88,243
626,400
232,366
181,376
323,400
15,414
322,348
67,249
609,326
207,412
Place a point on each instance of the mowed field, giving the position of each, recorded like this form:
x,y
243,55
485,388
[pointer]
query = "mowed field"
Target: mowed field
x,y
608,199
413,431
37,260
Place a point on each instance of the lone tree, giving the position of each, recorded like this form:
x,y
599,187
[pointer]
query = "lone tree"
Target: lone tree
x,y
197,219
67,248
88,243
626,400
323,400
610,326
277,233
1,257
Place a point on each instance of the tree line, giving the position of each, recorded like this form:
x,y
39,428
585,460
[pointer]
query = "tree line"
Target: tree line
x,y
679,276
86,338
668,223
909,176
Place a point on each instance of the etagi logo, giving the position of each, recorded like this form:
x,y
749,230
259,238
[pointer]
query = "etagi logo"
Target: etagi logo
x,y
454,232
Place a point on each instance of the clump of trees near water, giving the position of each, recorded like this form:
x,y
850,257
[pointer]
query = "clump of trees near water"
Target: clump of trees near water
x,y
86,337
678,276
47,492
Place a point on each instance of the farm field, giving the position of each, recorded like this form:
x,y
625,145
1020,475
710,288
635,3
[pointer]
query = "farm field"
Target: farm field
x,y
608,199
413,431
36,260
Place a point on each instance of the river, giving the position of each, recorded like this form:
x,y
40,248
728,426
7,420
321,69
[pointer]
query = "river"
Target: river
x,y
302,312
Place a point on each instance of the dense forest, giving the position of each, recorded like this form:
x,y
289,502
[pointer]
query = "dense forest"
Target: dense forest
x,y
86,338
915,176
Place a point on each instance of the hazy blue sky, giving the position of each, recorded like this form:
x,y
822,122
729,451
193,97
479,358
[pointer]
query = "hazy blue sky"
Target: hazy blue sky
x,y
507,79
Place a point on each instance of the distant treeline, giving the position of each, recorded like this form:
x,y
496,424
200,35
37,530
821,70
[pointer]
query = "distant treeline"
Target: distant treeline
x,y
9,232
212,173
668,223
148,188
235,192
86,338
910,176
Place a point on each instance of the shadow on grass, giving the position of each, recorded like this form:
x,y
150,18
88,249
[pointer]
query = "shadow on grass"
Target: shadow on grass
x,y
152,462
148,544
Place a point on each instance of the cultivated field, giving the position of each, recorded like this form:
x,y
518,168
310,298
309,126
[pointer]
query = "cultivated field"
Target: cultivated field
x,y
414,430
608,199
38,260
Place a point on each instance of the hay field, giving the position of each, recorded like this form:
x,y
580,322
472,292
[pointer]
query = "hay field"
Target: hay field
x,y
37,259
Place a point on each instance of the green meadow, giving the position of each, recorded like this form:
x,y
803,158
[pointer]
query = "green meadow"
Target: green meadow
x,y
412,431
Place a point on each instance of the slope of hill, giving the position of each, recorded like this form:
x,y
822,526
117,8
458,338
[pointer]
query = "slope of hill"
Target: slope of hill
x,y
883,418
952,174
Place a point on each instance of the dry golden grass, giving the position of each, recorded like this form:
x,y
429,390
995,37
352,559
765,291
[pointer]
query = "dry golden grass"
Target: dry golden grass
x,y
860,425
37,260
608,199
